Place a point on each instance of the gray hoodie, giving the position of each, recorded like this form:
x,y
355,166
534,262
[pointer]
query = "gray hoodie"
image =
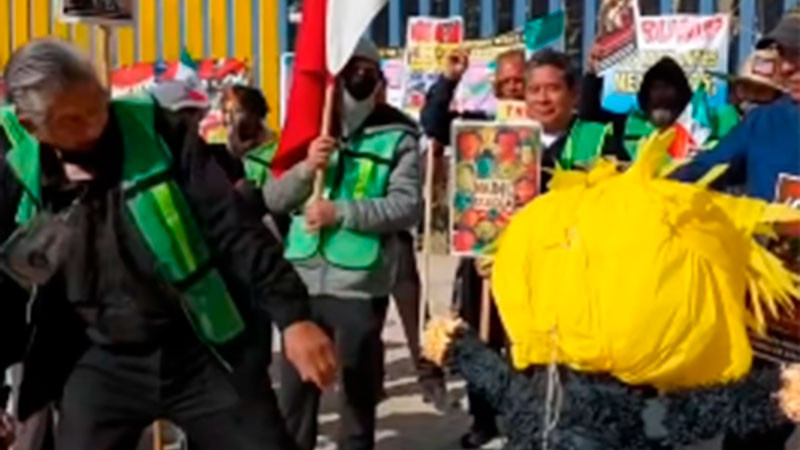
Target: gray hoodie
x,y
399,210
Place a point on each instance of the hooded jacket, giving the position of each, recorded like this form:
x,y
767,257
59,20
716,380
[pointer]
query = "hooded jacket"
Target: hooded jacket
x,y
667,69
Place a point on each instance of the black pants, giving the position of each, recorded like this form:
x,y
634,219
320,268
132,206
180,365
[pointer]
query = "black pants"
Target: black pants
x,y
355,326
407,295
111,396
467,300
774,439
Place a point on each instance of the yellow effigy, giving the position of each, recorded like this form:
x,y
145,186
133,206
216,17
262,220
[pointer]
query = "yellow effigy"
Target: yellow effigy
x,y
640,277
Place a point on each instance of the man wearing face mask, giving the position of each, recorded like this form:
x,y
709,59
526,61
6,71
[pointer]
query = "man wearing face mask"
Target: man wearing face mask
x,y
344,245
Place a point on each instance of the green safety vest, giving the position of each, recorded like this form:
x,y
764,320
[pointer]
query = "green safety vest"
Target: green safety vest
x,y
157,207
584,144
638,128
257,163
358,171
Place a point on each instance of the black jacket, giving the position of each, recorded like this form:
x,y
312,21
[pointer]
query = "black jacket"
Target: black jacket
x,y
109,292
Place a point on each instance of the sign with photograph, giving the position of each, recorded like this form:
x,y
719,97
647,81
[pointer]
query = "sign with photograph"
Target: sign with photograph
x,y
616,32
497,168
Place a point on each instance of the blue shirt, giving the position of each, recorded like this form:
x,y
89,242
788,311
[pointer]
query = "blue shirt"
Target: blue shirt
x,y
758,150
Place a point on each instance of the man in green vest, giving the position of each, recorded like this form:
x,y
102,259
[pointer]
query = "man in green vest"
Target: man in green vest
x,y
244,111
145,275
344,244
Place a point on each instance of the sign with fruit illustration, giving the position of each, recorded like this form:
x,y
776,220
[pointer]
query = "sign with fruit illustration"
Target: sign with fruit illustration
x,y
496,172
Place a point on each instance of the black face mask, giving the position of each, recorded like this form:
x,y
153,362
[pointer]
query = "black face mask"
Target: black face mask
x,y
361,86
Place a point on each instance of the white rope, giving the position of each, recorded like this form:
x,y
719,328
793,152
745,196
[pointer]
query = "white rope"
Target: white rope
x,y
554,398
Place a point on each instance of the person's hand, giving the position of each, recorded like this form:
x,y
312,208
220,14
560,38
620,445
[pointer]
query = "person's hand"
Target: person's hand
x,y
320,214
456,64
311,352
6,431
483,265
319,151
593,62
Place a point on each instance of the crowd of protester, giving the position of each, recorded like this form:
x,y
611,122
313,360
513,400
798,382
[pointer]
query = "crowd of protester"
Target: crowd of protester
x,y
101,338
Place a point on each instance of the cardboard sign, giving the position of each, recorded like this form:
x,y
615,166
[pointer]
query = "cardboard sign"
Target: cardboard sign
x,y
782,342
511,111
496,171
114,12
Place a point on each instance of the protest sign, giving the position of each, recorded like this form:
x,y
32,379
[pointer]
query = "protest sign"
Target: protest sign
x,y
511,110
428,42
475,92
111,12
393,70
616,32
782,341
699,43
496,171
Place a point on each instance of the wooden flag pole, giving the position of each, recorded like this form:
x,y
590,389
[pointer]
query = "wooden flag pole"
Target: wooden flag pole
x,y
430,160
158,437
327,130
486,309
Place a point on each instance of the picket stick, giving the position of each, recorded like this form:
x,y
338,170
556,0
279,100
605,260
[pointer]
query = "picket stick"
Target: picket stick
x,y
486,308
427,234
158,438
327,125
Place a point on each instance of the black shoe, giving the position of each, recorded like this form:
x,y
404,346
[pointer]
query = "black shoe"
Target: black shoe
x,y
477,438
431,381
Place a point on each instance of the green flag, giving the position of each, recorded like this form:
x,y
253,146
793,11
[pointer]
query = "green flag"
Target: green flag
x,y
544,30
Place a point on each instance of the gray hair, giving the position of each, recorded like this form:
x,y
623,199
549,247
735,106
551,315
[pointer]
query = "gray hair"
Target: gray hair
x,y
41,69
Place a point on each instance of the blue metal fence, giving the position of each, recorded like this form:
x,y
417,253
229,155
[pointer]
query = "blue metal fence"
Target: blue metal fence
x,y
391,30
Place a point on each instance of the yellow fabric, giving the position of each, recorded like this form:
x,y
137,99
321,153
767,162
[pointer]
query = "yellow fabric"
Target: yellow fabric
x,y
637,276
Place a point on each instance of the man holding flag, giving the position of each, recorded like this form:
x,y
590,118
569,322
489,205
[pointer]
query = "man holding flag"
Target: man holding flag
x,y
354,195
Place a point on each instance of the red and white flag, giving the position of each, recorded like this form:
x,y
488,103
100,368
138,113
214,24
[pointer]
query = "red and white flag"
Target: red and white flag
x,y
328,35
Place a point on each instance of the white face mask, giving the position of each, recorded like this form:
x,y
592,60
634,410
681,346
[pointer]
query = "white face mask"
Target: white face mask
x,y
662,117
354,112
747,106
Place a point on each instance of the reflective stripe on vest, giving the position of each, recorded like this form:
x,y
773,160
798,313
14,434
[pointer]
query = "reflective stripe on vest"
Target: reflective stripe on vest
x,y
160,212
358,171
257,164
584,145
637,128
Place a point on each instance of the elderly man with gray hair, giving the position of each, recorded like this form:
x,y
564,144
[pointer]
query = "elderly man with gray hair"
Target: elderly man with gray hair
x,y
144,275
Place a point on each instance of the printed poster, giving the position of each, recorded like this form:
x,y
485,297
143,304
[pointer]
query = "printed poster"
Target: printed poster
x,y
475,92
117,12
782,342
428,42
497,170
699,43
616,32
393,70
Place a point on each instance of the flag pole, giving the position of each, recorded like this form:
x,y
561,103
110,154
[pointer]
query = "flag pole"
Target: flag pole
x,y
430,162
486,309
327,130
